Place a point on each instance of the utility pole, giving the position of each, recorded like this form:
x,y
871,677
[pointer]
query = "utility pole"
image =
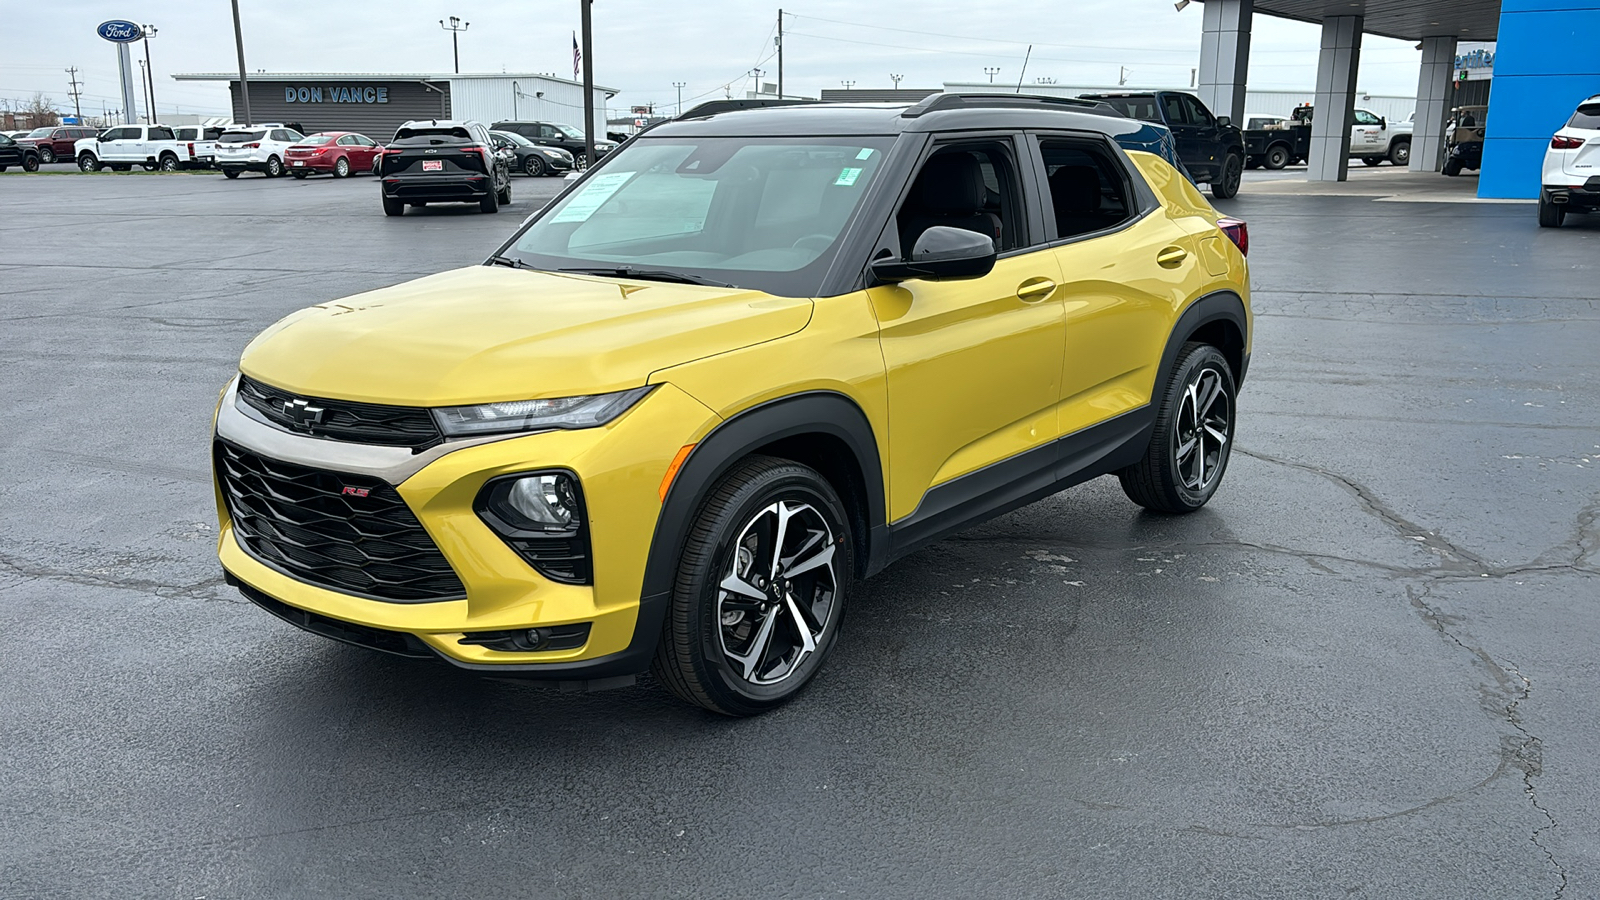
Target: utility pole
x,y
77,109
680,85
149,31
1122,75
896,79
991,71
455,28
780,54
588,85
244,80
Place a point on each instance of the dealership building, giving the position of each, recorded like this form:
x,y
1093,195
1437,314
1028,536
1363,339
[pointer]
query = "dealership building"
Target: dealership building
x,y
377,104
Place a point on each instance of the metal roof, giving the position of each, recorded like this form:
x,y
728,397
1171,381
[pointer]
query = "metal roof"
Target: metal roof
x,y
1408,20
375,76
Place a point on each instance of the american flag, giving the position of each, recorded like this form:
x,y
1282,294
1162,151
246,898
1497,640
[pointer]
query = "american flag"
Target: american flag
x,y
577,56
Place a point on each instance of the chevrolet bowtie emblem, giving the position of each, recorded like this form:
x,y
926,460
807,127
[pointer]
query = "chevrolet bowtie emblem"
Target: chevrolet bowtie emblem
x,y
302,413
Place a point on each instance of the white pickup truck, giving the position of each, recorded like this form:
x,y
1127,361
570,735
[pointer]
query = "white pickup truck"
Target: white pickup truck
x,y
124,146
198,145
1374,139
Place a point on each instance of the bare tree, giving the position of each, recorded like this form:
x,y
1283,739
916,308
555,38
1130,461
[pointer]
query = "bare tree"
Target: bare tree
x,y
41,112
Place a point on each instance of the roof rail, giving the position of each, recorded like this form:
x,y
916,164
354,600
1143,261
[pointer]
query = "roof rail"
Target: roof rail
x,y
937,102
716,107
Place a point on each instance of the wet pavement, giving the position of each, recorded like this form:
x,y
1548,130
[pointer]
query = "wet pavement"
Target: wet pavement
x,y
1366,669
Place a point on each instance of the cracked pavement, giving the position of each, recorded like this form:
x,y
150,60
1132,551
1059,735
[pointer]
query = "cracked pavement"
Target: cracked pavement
x,y
1366,669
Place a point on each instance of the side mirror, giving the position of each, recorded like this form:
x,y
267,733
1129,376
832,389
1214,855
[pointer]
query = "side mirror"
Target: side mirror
x,y
1225,121
940,252
1383,122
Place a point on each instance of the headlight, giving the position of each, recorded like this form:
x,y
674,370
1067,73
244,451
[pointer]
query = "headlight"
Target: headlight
x,y
553,154
536,415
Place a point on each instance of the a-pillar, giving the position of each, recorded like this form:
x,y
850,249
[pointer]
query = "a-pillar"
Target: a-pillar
x,y
1336,97
1435,87
1225,56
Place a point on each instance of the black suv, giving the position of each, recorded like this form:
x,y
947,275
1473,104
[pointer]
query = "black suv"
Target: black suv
x,y
439,161
1212,148
554,134
15,154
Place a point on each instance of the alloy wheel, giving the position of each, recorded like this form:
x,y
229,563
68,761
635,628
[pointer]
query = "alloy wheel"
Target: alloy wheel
x,y
341,169
534,166
46,155
1204,429
776,600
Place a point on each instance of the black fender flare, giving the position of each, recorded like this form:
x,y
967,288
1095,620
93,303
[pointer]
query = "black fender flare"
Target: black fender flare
x,y
1218,306
813,412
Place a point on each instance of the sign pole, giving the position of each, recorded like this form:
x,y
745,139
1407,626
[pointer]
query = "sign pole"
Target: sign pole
x,y
588,87
244,79
125,66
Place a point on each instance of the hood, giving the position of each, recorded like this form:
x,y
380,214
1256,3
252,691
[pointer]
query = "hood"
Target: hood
x,y
486,333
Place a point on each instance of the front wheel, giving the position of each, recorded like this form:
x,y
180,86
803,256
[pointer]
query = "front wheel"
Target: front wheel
x,y
1372,160
30,163
1400,153
88,163
533,166
274,167
1550,215
1193,437
1226,187
490,202
760,592
505,192
47,155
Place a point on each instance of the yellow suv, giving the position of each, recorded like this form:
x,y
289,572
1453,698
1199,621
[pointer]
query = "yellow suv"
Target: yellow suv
x,y
750,357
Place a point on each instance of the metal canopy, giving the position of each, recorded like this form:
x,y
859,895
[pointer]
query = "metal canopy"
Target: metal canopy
x,y
1408,20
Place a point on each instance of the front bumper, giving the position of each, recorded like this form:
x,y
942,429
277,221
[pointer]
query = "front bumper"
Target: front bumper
x,y
619,466
443,188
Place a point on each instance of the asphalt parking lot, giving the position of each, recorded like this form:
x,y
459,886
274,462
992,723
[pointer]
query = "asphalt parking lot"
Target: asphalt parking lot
x,y
1366,669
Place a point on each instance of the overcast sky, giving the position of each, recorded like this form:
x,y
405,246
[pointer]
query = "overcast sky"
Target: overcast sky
x,y
643,47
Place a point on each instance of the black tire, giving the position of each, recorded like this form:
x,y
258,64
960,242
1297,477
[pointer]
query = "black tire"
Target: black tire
x,y
274,167
1226,187
148,165
1550,215
341,169
230,173
1161,481
1400,153
1277,157
88,163
580,161
169,163
1372,160
299,174
1452,167
392,207
505,192
490,202
533,165
122,167
47,155
30,162
1253,162
734,531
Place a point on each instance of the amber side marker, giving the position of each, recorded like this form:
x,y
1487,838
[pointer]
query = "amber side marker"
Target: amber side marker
x,y
672,470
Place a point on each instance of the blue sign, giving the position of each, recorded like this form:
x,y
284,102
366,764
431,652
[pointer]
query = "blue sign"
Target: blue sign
x,y
120,31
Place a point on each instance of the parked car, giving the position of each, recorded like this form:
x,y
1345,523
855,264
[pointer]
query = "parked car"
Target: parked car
x,y
57,142
440,161
124,146
1571,175
1374,139
336,153
1212,149
199,145
532,159
14,135
15,154
738,366
555,134
1463,139
255,148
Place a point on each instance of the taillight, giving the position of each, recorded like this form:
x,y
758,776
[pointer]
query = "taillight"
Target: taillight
x,y
252,146
191,148
1238,232
1562,142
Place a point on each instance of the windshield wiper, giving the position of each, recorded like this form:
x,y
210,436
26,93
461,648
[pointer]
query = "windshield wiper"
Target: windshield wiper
x,y
649,275
508,262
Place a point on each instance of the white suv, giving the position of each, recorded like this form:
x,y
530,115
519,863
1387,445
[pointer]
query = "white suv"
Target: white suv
x,y
255,148
1572,167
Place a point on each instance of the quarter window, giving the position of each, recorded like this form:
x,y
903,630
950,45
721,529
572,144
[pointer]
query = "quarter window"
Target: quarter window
x,y
1089,190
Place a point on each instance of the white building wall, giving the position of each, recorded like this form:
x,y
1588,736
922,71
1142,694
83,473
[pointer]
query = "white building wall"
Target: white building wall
x,y
494,98
1278,103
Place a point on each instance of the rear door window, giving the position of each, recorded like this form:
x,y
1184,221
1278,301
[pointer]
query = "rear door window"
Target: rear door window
x,y
1089,189
1174,108
161,134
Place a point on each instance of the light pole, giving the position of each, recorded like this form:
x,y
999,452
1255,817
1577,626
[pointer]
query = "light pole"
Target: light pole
x,y
991,71
455,28
756,74
588,83
848,84
896,79
680,85
244,80
144,88
149,32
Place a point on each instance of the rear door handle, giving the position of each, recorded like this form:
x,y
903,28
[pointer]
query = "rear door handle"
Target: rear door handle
x,y
1171,257
1035,289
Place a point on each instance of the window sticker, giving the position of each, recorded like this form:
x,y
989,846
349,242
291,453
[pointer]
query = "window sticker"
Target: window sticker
x,y
848,177
865,153
593,196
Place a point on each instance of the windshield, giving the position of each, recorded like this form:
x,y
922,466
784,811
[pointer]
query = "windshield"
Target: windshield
x,y
763,213
317,140
241,137
511,137
40,132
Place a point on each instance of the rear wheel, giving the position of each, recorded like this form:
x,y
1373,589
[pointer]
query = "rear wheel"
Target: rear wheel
x,y
230,173
47,155
274,167
1372,160
341,169
1226,187
169,163
88,163
1193,437
1277,157
760,592
1400,153
392,207
1452,167
1550,215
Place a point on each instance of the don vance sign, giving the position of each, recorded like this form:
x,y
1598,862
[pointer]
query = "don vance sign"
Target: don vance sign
x,y
336,94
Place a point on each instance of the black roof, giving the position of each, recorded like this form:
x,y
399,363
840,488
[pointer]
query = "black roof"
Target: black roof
x,y
940,112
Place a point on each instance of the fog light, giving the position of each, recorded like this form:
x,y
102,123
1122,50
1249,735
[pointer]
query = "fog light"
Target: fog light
x,y
531,640
546,501
540,515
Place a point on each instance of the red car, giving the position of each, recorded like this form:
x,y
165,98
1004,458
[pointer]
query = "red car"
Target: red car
x,y
54,142
339,152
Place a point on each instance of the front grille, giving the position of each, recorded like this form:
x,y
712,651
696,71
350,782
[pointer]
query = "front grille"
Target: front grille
x,y
348,533
342,420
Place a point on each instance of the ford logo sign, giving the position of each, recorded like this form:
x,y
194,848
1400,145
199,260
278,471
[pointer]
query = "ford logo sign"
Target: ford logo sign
x,y
120,31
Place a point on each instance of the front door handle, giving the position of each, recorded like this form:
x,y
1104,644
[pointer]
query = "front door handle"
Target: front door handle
x,y
1035,289
1171,257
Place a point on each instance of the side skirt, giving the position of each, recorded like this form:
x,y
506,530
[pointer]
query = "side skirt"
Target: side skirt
x,y
1023,479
